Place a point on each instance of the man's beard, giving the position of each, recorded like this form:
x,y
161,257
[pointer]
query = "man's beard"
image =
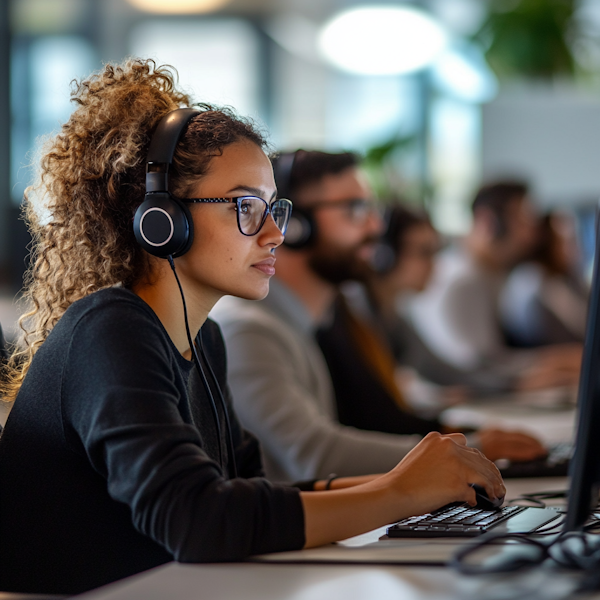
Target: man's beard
x,y
336,266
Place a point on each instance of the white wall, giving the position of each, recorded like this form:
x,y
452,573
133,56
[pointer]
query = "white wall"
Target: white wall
x,y
548,135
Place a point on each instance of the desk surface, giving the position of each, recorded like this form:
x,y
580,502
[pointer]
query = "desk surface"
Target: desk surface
x,y
270,581
550,415
333,582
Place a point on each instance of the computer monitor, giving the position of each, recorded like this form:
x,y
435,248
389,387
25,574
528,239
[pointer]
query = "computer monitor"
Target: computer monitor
x,y
585,465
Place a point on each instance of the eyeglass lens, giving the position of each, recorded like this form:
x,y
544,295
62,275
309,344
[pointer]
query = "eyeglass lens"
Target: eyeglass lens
x,y
281,211
252,212
360,210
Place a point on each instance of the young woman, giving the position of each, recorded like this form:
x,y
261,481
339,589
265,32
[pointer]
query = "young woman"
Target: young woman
x,y
116,456
544,300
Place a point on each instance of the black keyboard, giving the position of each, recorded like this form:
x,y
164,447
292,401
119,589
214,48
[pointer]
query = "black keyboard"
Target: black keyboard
x,y
453,520
556,464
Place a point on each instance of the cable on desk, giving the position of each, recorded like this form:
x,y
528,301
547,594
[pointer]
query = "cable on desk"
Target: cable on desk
x,y
540,554
570,549
537,498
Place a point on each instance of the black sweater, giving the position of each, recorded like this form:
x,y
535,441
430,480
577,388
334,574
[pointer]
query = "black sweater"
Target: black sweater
x,y
108,461
361,398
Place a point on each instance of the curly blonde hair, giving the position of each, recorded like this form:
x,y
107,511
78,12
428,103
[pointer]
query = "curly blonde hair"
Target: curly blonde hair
x,y
92,179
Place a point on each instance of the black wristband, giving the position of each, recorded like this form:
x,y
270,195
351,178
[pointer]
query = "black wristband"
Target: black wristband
x,y
331,477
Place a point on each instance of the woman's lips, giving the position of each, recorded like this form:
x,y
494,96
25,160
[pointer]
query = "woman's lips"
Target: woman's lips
x,y
267,266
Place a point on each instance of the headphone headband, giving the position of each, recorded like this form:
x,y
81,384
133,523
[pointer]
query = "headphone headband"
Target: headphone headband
x,y
162,148
283,173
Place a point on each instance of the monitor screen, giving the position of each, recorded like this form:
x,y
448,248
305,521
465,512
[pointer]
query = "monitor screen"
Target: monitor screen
x,y
585,466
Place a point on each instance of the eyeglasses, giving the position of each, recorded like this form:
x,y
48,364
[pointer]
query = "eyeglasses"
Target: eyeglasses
x,y
357,209
252,211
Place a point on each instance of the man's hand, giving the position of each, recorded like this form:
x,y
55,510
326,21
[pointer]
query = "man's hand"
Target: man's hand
x,y
555,366
512,445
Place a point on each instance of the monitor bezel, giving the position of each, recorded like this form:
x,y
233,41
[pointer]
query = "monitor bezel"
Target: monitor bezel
x,y
585,464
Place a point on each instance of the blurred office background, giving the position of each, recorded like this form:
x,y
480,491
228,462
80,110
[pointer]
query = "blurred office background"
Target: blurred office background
x,y
438,95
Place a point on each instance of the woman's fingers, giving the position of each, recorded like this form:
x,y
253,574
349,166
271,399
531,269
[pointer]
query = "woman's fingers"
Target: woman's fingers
x,y
459,438
486,475
442,469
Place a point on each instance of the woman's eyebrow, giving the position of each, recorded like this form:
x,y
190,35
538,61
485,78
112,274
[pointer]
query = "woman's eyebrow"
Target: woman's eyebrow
x,y
253,191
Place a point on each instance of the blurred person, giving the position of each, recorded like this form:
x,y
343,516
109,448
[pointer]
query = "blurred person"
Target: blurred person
x,y
281,384
113,459
458,315
402,267
544,300
368,344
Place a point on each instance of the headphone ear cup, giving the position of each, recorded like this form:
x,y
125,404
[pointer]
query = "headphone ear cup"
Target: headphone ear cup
x,y
301,230
499,227
163,226
384,258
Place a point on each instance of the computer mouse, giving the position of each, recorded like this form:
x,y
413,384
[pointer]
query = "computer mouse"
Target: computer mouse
x,y
483,500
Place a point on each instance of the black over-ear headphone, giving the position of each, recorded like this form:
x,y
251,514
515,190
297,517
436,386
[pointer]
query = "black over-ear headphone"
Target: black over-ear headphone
x,y
302,229
385,255
499,226
162,224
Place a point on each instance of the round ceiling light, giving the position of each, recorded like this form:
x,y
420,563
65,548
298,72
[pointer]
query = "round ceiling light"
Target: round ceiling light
x,y
178,7
382,40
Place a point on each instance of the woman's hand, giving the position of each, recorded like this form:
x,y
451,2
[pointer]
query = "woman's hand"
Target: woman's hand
x,y
440,470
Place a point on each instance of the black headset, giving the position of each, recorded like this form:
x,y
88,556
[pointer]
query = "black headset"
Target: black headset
x,y
385,255
302,229
162,224
499,226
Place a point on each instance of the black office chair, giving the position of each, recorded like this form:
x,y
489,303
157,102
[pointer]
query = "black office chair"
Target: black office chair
x,y
10,595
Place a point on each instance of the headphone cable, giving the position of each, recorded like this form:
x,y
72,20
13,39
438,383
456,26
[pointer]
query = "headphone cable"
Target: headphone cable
x,y
197,362
230,447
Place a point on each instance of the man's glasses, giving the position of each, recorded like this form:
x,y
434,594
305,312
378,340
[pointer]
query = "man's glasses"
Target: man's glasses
x,y
356,209
252,211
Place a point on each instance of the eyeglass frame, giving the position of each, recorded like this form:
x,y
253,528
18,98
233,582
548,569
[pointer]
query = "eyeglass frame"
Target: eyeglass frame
x,y
236,200
369,205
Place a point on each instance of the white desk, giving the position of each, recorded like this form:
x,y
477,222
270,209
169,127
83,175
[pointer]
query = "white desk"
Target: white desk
x,y
337,582
543,414
270,581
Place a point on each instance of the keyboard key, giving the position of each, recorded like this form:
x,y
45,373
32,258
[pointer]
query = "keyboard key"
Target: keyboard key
x,y
452,520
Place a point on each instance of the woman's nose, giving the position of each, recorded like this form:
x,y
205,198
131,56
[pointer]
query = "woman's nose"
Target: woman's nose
x,y
271,234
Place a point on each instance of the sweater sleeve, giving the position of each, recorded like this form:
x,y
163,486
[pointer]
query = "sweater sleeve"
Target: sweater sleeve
x,y
120,408
274,391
